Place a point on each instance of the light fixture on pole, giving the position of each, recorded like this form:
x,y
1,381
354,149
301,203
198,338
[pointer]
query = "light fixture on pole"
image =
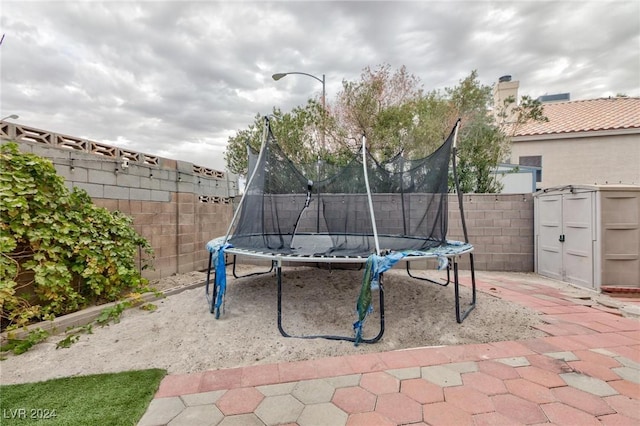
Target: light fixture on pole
x,y
278,76
11,117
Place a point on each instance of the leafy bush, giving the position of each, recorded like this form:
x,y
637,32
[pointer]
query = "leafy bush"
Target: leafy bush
x,y
58,251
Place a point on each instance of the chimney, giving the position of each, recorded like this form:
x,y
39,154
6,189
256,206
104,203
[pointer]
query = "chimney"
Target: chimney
x,y
505,99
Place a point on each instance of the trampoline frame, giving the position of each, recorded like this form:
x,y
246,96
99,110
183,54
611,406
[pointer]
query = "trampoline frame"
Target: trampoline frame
x,y
277,260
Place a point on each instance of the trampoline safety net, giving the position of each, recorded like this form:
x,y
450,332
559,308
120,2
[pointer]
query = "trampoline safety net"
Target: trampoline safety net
x,y
324,210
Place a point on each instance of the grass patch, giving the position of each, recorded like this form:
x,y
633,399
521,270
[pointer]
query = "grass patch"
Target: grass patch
x,y
100,399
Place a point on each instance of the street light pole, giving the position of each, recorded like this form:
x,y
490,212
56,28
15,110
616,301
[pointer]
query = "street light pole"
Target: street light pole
x,y
11,117
280,75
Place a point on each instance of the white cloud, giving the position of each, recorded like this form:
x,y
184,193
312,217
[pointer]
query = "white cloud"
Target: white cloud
x,y
177,78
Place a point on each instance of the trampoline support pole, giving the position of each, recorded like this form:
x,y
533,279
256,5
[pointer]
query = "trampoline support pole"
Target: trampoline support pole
x,y
429,279
461,316
279,278
206,287
323,336
214,290
235,275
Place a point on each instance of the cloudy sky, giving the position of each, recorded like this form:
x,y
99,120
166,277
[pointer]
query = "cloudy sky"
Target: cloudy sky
x,y
177,78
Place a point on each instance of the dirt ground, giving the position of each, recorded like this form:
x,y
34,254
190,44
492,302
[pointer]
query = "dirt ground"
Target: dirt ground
x,y
182,336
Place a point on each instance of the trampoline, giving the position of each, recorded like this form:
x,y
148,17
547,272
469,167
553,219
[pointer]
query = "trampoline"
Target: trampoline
x,y
362,212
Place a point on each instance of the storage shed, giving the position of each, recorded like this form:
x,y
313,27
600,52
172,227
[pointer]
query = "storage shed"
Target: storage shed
x,y
589,235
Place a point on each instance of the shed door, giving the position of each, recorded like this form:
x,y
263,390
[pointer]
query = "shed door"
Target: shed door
x,y
549,231
577,220
565,238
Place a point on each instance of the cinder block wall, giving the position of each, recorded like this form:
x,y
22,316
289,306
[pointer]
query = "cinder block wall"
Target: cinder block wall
x,y
177,229
500,227
177,206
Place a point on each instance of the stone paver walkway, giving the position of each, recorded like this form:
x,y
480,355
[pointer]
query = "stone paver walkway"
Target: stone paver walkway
x,y
586,371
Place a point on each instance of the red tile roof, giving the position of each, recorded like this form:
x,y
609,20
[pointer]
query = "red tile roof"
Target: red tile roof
x,y
586,115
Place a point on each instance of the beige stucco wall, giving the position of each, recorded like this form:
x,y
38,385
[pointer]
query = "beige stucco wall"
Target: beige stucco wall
x,y
613,158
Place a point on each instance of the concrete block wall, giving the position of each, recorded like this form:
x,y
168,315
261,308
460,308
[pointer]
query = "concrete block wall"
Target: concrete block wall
x,y
112,178
500,227
177,206
178,229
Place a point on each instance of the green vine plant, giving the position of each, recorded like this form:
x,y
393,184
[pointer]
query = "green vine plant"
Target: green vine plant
x,y
107,316
112,314
68,341
20,346
72,335
59,252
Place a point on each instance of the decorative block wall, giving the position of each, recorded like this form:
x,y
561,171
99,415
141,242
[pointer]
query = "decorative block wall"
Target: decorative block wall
x,y
177,206
500,227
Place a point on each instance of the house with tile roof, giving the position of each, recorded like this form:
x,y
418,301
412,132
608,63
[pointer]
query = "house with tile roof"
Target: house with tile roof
x,y
593,141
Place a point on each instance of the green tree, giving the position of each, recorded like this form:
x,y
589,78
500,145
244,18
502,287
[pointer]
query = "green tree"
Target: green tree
x,y
297,132
396,115
484,140
481,147
481,143
382,106
433,120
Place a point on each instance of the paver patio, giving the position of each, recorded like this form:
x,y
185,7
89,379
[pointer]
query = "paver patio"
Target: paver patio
x,y
586,371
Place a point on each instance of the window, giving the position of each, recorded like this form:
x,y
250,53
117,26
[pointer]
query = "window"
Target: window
x,y
533,161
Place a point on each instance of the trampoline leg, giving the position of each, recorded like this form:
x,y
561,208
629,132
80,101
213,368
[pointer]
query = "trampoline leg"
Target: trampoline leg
x,y
214,290
206,287
461,316
381,332
248,275
322,336
428,279
212,301
279,278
